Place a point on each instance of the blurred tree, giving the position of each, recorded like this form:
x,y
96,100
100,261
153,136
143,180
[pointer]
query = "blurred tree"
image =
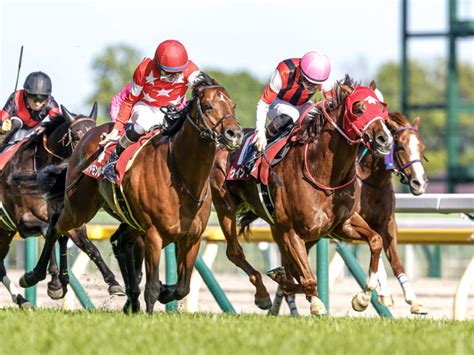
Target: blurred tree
x,y
245,90
113,68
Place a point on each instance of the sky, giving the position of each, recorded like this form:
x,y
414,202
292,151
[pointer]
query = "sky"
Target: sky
x,y
61,38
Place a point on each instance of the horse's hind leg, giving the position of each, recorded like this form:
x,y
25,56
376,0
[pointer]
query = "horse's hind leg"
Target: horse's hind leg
x,y
5,240
389,238
79,237
122,245
153,245
54,289
357,229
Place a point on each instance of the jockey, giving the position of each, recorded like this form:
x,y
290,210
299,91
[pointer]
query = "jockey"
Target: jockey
x,y
117,100
26,109
157,82
288,94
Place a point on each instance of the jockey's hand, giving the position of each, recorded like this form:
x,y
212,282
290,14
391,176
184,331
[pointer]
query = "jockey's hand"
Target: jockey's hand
x,y
104,138
39,130
7,125
261,140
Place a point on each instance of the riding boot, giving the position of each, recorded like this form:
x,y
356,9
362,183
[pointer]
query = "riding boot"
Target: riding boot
x,y
130,137
277,126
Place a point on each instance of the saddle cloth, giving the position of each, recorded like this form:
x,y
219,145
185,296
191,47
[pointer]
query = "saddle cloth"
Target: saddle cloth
x,y
8,153
125,160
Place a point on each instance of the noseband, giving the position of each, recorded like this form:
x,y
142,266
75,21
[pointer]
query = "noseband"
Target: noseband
x,y
207,132
392,157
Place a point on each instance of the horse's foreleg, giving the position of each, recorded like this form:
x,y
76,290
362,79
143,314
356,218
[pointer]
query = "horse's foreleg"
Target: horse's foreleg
x,y
357,229
186,254
79,237
153,245
54,288
389,237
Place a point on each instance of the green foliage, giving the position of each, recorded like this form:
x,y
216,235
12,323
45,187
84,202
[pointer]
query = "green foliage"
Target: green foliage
x,y
245,90
113,68
56,332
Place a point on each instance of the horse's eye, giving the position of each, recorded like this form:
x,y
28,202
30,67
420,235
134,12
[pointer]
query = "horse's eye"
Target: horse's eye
x,y
207,107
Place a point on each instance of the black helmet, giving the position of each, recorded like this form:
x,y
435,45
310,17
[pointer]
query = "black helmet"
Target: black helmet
x,y
38,83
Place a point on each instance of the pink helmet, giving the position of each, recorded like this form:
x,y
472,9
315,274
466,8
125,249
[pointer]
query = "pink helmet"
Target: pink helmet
x,y
315,67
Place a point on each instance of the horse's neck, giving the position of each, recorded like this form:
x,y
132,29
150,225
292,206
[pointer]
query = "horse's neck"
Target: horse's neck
x,y
372,170
193,157
332,150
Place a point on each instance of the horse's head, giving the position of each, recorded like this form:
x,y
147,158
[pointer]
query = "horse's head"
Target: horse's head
x,y
212,112
364,117
60,140
407,152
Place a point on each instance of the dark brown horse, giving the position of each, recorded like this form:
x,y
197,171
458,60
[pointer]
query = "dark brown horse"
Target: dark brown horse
x,y
376,197
317,197
167,189
24,206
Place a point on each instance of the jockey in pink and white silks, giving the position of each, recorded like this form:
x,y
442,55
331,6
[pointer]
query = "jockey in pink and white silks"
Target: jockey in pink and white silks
x,y
157,82
289,93
117,100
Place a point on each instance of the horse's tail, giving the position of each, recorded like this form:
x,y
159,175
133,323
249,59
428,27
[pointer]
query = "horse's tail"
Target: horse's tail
x,y
51,181
244,221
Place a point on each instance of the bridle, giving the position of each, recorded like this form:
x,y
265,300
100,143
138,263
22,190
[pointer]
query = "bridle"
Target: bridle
x,y
207,132
392,157
67,139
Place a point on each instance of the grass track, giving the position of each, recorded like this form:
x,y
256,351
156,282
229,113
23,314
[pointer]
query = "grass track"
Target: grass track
x,y
80,332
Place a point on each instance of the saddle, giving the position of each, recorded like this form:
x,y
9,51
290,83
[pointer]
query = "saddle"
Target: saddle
x,y
8,151
247,164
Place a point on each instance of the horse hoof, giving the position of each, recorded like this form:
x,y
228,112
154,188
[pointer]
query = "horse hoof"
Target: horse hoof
x,y
23,303
263,303
386,301
417,308
167,294
276,273
131,307
116,290
28,280
317,307
57,294
359,303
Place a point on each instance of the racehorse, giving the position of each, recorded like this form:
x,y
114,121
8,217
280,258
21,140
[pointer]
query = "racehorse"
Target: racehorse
x,y
376,198
24,206
317,194
167,189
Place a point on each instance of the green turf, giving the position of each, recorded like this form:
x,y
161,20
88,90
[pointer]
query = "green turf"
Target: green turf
x,y
56,332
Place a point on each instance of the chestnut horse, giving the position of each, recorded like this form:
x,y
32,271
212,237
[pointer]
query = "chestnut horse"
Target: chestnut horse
x,y
25,209
317,197
167,189
376,198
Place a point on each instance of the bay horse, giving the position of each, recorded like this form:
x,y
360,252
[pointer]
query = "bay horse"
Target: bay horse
x,y
24,207
167,189
376,198
317,194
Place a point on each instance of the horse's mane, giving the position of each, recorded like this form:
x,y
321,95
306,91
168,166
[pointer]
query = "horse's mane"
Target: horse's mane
x,y
174,119
398,119
312,125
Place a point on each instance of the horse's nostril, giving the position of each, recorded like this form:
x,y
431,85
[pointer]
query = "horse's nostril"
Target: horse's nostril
x,y
230,133
381,140
415,183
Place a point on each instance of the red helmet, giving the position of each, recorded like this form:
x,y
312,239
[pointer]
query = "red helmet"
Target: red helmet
x,y
171,56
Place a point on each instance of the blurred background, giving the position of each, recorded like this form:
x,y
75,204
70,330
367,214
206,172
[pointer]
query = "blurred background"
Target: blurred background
x,y
419,52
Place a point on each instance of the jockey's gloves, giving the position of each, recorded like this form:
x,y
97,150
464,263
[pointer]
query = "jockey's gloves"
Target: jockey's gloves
x,y
261,141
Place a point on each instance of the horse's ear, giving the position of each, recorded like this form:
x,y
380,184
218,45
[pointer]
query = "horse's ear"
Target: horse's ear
x,y
68,116
93,113
416,122
346,89
373,86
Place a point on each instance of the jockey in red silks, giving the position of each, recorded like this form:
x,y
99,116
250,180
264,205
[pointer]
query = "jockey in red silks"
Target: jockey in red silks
x,y
288,94
26,109
157,82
